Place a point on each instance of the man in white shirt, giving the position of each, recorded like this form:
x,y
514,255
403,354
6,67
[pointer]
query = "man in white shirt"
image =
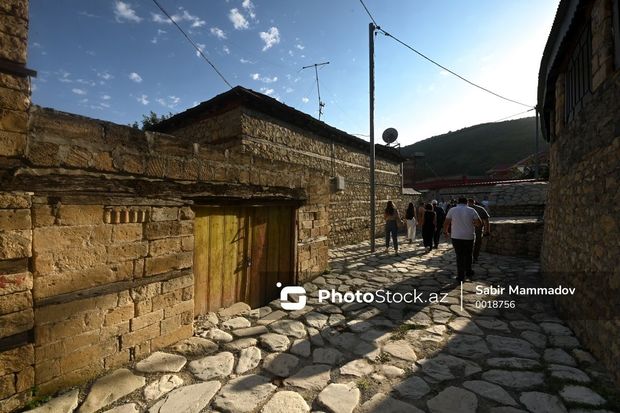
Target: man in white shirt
x,y
460,226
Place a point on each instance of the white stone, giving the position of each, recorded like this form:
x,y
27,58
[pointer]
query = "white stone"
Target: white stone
x,y
65,403
110,388
275,342
187,399
392,371
301,347
161,362
218,336
125,408
490,391
250,331
286,402
235,310
315,337
243,394
280,364
453,399
237,322
316,320
289,328
383,403
249,358
357,367
412,388
240,344
513,363
537,402
465,325
581,395
444,367
314,377
339,398
515,379
512,346
326,356
467,346
211,367
195,346
400,349
165,384
492,323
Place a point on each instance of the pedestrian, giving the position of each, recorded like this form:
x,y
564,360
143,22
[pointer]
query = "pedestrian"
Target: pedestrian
x,y
429,224
441,217
460,226
392,218
483,230
420,213
411,222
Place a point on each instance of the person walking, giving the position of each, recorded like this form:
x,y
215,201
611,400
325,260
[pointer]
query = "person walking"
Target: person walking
x,y
392,218
411,222
460,226
441,217
428,227
482,231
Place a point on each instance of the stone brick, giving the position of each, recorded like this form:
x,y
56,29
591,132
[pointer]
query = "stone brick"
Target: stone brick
x,y
187,243
55,284
164,214
127,251
60,312
116,360
164,246
17,8
80,214
10,303
12,283
179,308
17,359
14,200
167,300
170,324
12,143
43,215
119,315
13,99
17,322
134,338
13,48
15,244
80,358
158,265
146,320
55,238
146,291
71,379
7,386
127,233
42,153
102,161
179,334
15,219
177,283
25,379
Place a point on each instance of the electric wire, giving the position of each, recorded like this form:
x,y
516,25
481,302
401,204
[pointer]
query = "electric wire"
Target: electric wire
x,y
438,64
193,43
512,116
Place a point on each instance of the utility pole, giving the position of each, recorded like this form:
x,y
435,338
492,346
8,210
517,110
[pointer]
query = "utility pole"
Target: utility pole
x,y
318,88
371,61
537,170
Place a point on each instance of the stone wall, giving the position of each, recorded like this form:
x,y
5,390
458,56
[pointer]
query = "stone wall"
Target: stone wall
x,y
580,244
517,237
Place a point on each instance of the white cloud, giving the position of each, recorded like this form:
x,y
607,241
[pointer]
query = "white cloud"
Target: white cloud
x,y
305,100
270,37
104,75
264,79
300,46
144,99
183,15
64,76
226,49
78,91
201,46
171,103
85,82
217,32
255,76
246,61
105,105
123,11
135,77
289,90
106,97
238,20
249,7
158,18
266,91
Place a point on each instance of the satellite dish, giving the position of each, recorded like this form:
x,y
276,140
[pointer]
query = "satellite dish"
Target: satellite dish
x,y
390,135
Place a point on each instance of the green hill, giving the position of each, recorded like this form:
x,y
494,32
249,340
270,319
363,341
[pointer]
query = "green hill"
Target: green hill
x,y
474,150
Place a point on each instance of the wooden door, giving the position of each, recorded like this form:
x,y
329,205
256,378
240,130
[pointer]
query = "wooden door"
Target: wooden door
x,y
240,253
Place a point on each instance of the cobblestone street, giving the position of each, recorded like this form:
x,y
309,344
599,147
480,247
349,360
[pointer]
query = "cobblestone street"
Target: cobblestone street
x,y
425,357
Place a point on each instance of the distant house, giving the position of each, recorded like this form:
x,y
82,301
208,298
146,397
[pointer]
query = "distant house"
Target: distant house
x,y
579,102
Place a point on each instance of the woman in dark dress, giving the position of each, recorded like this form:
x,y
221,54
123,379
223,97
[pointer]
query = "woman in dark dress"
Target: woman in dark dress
x,y
392,217
428,226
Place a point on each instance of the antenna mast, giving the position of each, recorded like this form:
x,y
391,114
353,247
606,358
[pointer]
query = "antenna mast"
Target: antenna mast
x,y
318,88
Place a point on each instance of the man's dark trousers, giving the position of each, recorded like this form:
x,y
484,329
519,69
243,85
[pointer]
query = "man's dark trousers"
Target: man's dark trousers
x,y
463,249
477,243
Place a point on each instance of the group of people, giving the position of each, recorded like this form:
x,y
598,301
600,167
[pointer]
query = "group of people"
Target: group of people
x,y
464,221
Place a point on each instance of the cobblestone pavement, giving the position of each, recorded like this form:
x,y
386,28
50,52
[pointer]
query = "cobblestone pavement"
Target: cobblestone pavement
x,y
427,357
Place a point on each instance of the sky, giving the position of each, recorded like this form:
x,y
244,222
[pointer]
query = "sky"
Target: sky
x,y
117,60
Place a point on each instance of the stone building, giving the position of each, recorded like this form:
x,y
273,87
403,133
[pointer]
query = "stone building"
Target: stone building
x,y
579,100
112,239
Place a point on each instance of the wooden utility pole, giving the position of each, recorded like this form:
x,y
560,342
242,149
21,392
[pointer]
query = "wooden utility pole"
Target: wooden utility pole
x,y
371,57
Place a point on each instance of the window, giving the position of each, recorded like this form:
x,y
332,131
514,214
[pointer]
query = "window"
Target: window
x,y
579,74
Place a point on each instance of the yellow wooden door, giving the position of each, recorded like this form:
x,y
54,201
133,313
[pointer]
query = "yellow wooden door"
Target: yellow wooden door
x,y
240,254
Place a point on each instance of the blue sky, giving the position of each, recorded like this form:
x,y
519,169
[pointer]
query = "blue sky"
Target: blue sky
x,y
116,60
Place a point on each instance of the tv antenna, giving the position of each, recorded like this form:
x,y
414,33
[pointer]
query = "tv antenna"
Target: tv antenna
x,y
318,88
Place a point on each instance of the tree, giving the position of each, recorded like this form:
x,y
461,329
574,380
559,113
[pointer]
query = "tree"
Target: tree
x,y
150,120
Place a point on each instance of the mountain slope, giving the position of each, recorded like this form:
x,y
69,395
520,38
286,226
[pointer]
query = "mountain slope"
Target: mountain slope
x,y
474,150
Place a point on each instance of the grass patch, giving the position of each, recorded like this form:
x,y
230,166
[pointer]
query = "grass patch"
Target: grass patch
x,y
364,384
383,358
37,399
400,331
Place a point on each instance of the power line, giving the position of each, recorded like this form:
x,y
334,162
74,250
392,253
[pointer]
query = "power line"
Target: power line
x,y
440,65
193,44
512,116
